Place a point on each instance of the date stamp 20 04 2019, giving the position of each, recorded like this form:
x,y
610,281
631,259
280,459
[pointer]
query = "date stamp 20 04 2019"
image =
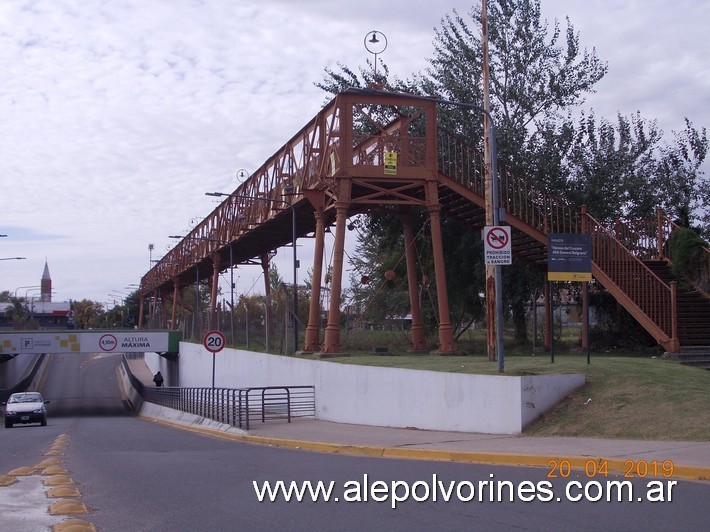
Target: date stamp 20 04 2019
x,y
600,468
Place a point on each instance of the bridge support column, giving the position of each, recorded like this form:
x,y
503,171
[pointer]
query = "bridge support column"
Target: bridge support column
x,y
140,312
312,340
332,330
447,345
214,284
267,295
417,330
176,295
154,308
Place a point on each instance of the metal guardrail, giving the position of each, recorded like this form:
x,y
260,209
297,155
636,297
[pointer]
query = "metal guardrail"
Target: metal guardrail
x,y
26,380
234,406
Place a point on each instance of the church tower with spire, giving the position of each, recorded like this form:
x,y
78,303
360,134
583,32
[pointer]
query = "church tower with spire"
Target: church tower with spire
x,y
46,285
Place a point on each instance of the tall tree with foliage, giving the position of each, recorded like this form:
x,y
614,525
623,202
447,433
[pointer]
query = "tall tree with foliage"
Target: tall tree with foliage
x,y
88,314
539,78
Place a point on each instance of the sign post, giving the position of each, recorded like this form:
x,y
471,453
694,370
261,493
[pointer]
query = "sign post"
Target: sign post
x,y
569,258
497,246
498,251
214,342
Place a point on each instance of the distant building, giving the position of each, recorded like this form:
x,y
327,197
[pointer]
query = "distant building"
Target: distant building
x,y
46,313
40,311
46,285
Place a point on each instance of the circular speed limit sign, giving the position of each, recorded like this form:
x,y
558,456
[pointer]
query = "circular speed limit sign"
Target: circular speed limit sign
x,y
213,341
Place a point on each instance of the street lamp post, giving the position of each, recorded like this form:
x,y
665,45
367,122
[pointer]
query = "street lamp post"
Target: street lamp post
x,y
289,191
28,286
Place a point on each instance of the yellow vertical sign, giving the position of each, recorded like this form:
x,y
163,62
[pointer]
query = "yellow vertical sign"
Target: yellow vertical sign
x,y
390,163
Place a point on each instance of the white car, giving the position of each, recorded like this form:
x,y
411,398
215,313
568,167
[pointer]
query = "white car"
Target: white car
x,y
25,407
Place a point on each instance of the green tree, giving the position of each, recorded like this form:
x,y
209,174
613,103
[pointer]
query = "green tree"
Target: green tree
x,y
88,314
535,75
539,78
17,312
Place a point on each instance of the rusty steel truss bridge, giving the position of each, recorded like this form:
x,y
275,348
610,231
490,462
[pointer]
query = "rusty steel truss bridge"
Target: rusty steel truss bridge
x,y
340,164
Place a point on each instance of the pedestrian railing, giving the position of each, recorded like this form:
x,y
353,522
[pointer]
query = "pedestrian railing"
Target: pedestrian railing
x,y
233,406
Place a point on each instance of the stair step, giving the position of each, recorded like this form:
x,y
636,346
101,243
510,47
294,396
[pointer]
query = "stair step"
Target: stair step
x,y
694,356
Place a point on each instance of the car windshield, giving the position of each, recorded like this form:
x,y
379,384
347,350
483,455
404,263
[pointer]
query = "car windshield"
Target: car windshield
x,y
26,398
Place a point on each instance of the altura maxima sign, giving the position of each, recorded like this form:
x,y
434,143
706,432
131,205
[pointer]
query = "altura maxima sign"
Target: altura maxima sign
x,y
15,343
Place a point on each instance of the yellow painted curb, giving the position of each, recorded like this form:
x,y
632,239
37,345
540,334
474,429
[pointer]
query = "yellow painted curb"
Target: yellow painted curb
x,y
74,525
6,480
685,472
22,471
67,507
63,491
58,480
54,453
49,462
55,470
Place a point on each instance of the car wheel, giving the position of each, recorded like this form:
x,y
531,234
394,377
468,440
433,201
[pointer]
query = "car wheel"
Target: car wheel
x,y
44,421
8,425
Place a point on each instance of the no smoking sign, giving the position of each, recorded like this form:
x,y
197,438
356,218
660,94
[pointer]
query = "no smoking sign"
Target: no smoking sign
x,y
497,246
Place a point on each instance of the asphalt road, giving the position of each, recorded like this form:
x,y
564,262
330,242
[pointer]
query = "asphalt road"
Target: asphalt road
x,y
136,474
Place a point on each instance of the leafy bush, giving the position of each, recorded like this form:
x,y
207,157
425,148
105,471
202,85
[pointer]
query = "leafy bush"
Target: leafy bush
x,y
690,260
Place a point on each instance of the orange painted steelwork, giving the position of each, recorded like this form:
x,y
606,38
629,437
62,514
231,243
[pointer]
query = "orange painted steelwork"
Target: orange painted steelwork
x,y
336,166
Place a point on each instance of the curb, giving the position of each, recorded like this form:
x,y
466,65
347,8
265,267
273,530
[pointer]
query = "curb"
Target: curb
x,y
683,472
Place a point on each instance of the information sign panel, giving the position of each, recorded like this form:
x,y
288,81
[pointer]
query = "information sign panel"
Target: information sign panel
x,y
569,257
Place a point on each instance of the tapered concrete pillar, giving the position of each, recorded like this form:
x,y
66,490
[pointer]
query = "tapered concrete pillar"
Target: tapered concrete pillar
x,y
140,312
312,341
332,330
214,284
446,334
176,295
417,330
265,261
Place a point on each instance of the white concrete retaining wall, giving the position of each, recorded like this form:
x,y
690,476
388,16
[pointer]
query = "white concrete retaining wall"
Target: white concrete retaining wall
x,y
390,397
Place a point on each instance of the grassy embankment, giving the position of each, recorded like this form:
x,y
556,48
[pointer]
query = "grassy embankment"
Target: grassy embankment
x,y
627,395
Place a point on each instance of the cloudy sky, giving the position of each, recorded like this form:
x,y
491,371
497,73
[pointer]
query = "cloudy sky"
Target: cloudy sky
x,y
117,115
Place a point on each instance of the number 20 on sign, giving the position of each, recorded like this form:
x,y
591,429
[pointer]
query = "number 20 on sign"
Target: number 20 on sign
x,y
213,341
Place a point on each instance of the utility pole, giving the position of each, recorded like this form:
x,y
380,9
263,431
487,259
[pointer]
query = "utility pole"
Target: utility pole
x,y
490,207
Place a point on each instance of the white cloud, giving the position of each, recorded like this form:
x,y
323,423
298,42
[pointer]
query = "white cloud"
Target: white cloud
x,y
116,117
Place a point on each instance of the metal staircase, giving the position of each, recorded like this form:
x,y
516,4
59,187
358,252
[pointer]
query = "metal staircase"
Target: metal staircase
x,y
626,260
336,170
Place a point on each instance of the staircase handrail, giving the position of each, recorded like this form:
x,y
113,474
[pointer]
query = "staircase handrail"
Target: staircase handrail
x,y
649,239
541,210
702,282
646,296
651,300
